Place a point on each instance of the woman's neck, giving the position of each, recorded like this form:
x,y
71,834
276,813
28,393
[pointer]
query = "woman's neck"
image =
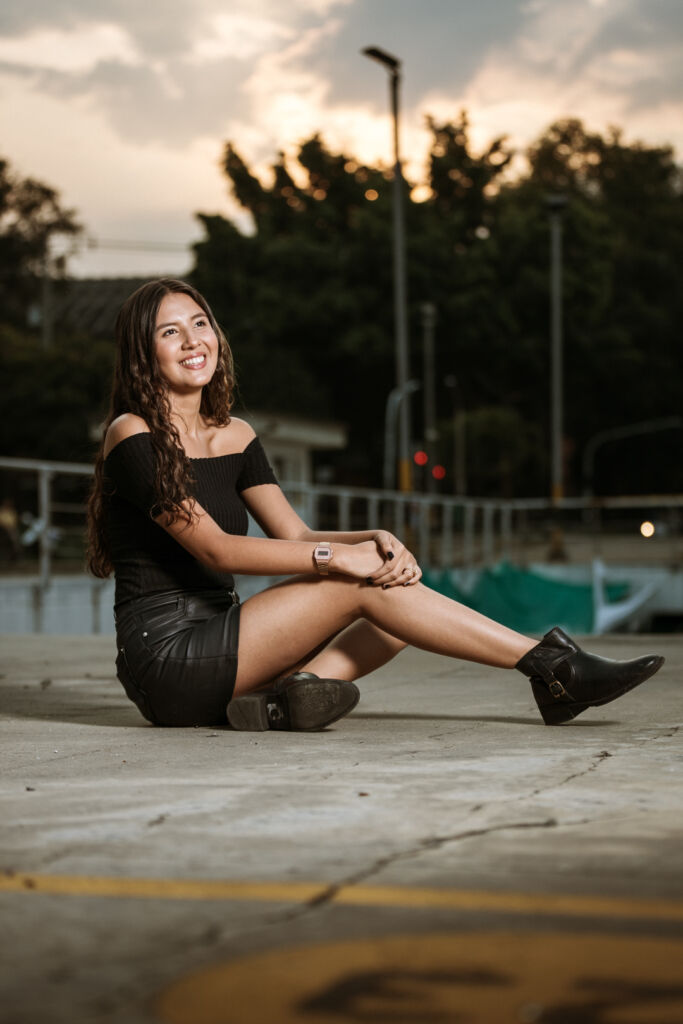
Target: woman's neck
x,y
186,416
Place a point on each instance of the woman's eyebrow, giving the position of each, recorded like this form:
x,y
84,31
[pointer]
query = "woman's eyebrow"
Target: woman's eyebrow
x,y
174,323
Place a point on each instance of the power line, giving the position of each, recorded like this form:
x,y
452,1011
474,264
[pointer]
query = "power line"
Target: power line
x,y
136,245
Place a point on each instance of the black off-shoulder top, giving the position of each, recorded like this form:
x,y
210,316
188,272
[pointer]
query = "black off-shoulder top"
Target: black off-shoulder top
x,y
146,559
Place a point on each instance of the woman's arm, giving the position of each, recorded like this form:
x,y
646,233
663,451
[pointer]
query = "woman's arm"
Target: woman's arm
x,y
276,517
264,556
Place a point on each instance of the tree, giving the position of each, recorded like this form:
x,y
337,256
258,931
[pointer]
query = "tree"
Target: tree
x,y
308,295
57,398
624,228
30,217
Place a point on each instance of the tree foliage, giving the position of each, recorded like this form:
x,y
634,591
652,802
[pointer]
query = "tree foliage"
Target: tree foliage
x,y
307,297
31,215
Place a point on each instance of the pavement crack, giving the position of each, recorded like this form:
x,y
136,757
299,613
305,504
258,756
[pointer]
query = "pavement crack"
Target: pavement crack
x,y
596,762
329,894
667,735
433,843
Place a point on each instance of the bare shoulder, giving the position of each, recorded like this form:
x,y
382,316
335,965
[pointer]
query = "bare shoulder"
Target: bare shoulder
x,y
236,435
122,427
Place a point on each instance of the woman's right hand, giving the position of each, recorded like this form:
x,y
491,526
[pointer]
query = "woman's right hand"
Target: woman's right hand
x,y
357,560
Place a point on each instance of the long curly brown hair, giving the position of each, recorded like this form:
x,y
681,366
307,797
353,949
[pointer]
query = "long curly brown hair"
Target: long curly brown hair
x,y
139,388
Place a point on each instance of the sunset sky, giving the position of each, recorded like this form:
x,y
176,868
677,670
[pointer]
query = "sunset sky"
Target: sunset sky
x,y
125,106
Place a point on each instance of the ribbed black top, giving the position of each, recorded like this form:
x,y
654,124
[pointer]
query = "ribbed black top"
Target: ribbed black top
x,y
147,560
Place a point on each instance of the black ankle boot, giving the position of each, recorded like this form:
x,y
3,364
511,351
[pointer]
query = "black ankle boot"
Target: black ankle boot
x,y
302,701
566,680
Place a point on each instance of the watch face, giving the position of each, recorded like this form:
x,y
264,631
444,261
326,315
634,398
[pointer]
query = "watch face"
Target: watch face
x,y
322,555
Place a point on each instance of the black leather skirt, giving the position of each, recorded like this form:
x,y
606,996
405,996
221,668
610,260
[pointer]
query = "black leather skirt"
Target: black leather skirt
x,y
177,655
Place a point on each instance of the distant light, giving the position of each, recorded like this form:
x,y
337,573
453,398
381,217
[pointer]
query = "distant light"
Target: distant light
x,y
647,529
439,472
421,458
421,193
371,194
482,232
319,194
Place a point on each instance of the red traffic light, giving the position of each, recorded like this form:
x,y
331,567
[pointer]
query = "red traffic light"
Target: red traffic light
x,y
439,472
421,458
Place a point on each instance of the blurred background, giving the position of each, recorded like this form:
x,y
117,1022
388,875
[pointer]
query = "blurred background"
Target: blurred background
x,y
250,148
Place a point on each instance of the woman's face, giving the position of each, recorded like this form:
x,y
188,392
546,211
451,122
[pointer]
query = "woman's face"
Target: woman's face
x,y
185,342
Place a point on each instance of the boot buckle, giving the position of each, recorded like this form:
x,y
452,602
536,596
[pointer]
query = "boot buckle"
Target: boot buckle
x,y
557,689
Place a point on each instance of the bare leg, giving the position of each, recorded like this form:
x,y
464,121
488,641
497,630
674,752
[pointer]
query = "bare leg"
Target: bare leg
x,y
356,651
281,625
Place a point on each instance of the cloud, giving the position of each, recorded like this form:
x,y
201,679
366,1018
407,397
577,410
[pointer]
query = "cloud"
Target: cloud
x,y
441,44
267,70
240,36
63,50
607,62
176,78
116,101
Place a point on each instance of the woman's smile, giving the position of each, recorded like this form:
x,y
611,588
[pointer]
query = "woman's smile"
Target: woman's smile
x,y
194,362
185,341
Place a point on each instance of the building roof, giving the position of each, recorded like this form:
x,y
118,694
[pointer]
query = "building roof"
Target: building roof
x,y
92,304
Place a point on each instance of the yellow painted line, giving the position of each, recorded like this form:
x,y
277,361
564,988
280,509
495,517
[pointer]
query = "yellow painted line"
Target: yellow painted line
x,y
162,888
356,895
510,902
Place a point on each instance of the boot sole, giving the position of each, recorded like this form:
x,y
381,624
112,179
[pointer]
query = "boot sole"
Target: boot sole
x,y
560,711
304,706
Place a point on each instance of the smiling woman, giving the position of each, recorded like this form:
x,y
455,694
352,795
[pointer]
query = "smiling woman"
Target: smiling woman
x,y
186,344
173,482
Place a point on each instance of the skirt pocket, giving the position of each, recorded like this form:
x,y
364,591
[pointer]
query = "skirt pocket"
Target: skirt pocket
x,y
130,685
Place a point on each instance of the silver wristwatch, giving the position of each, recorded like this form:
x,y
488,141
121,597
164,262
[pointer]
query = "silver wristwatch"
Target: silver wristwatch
x,y
321,556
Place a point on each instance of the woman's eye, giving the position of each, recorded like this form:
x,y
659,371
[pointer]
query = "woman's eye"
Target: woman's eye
x,y
200,323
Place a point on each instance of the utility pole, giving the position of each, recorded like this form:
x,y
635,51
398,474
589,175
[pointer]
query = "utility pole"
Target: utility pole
x,y
555,205
46,307
431,436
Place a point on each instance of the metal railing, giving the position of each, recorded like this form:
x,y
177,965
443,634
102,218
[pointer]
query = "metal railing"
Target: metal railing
x,y
443,531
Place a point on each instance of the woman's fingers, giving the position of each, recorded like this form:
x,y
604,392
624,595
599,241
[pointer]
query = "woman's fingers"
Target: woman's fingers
x,y
414,578
401,571
389,547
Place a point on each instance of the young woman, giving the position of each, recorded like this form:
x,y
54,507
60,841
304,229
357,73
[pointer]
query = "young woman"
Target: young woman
x,y
173,480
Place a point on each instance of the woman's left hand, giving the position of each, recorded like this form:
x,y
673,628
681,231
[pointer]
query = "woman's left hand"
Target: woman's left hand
x,y
400,567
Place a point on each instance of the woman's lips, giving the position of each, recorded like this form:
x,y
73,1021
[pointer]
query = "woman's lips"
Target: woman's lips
x,y
194,362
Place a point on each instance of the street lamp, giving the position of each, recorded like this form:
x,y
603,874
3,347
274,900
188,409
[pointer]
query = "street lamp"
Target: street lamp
x,y
393,66
555,205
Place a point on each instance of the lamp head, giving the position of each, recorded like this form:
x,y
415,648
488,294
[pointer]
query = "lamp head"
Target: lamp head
x,y
374,53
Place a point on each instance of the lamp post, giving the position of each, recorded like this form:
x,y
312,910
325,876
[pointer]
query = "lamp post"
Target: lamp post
x,y
397,399
459,456
431,434
555,205
393,66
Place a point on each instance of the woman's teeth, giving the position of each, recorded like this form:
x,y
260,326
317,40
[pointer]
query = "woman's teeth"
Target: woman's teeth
x,y
194,361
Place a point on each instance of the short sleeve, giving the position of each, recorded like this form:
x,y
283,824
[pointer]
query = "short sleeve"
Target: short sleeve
x,y
255,467
129,471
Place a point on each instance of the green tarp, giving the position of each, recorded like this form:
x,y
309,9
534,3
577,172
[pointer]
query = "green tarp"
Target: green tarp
x,y
523,600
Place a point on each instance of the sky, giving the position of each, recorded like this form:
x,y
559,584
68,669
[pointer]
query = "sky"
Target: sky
x,y
125,107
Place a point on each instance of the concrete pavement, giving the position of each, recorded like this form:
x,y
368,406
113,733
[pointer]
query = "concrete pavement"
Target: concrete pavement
x,y
438,856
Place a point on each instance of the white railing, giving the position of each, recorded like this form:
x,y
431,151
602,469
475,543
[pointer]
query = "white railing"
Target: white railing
x,y
444,531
